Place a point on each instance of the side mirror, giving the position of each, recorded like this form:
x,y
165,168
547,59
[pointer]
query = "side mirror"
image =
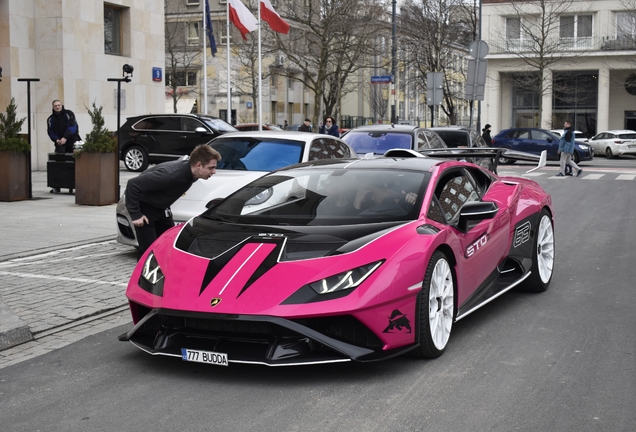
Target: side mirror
x,y
550,139
474,212
202,130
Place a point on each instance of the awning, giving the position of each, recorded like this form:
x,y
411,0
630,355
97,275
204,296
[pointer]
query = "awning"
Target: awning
x,y
184,105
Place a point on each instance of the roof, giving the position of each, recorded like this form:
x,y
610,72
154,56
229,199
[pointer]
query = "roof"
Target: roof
x,y
406,163
617,131
385,127
300,136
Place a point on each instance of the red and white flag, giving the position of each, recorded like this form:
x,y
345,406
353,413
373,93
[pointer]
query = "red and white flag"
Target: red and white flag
x,y
242,18
274,20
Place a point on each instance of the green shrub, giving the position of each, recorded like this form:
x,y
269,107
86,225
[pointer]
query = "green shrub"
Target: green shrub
x,y
98,140
9,129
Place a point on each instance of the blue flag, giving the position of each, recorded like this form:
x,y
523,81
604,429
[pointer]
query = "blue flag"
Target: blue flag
x,y
208,28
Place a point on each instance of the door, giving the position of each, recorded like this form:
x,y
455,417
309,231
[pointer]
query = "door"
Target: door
x,y
545,141
189,138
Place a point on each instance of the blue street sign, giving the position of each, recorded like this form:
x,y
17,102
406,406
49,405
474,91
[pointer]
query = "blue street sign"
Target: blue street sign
x,y
157,74
380,79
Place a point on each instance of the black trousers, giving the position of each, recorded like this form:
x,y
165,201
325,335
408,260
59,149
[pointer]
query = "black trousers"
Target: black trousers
x,y
159,221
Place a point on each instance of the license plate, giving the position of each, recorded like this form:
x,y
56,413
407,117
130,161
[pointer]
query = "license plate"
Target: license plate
x,y
208,357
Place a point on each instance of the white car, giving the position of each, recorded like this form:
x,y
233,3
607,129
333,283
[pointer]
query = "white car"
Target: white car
x,y
578,135
614,143
245,156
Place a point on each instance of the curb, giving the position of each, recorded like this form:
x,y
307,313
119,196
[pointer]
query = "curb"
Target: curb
x,y
13,331
32,252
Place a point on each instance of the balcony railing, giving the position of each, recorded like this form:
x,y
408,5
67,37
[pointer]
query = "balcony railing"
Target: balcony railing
x,y
519,46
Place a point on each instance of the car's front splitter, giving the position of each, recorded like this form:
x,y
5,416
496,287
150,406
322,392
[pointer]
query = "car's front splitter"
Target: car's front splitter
x,y
267,340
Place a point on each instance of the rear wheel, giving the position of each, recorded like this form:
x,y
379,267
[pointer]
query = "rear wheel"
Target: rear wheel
x,y
542,256
608,153
136,159
436,307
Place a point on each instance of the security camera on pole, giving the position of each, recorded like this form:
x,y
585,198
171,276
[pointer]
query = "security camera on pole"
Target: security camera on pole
x,y
127,73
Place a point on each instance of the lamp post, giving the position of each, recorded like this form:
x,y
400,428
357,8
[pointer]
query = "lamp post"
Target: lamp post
x,y
127,74
393,60
28,81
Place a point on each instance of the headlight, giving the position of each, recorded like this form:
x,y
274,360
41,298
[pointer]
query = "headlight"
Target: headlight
x,y
345,280
584,147
152,278
260,198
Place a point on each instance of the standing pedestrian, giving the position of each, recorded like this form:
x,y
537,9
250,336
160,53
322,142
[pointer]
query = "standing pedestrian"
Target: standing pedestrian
x,y
63,131
285,125
306,126
330,127
486,135
566,149
150,195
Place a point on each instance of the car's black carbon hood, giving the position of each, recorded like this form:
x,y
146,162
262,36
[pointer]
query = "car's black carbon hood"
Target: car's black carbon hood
x,y
209,239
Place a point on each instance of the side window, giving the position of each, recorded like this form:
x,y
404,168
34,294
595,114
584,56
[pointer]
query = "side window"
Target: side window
x,y
435,211
317,150
453,191
540,135
511,134
434,140
523,134
422,141
325,148
190,124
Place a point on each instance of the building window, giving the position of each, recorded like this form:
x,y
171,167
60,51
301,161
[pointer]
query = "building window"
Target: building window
x,y
182,79
575,31
513,28
516,39
193,33
192,2
222,30
112,30
626,25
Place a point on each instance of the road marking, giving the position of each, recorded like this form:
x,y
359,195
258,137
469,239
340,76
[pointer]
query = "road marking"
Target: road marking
x,y
626,177
62,278
593,176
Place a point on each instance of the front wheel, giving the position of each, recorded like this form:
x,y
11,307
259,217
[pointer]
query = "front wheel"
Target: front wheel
x,y
542,256
576,157
436,307
136,159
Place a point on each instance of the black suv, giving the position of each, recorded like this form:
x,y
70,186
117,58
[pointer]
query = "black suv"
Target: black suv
x,y
156,138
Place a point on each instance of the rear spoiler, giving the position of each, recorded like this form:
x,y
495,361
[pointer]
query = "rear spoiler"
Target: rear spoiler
x,y
494,153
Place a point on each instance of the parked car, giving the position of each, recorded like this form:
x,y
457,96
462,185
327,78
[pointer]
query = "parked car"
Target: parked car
x,y
245,157
464,137
288,270
535,140
245,127
155,138
578,135
614,143
377,139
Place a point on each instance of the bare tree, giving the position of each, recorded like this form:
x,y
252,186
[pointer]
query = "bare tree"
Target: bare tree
x,y
183,32
330,40
434,37
538,33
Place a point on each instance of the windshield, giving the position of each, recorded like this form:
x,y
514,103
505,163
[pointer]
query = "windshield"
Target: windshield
x,y
257,154
325,196
627,136
377,142
219,125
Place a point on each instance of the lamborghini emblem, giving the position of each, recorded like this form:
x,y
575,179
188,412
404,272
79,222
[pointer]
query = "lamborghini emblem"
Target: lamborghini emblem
x,y
215,301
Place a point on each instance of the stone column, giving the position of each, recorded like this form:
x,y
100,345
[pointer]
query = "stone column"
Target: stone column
x,y
545,122
602,108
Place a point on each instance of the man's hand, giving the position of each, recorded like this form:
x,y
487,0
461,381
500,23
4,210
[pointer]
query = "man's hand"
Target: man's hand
x,y
140,222
410,197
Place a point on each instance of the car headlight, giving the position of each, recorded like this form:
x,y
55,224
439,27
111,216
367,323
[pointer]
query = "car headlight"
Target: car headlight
x,y
345,280
584,147
152,277
260,197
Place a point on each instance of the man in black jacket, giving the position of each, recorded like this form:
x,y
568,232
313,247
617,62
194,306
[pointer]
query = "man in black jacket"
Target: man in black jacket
x,y
306,126
150,195
63,131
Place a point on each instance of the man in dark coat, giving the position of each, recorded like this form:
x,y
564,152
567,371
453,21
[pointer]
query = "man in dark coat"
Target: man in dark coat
x,y
306,126
62,128
150,195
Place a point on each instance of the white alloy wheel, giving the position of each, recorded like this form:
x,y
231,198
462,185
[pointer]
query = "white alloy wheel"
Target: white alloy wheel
x,y
441,298
545,249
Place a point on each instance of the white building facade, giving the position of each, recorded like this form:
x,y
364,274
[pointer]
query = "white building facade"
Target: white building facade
x,y
590,67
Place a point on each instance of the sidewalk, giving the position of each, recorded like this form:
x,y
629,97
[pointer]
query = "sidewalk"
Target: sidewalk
x,y
36,294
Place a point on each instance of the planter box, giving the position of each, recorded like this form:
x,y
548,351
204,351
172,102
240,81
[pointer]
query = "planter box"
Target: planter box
x,y
96,181
14,176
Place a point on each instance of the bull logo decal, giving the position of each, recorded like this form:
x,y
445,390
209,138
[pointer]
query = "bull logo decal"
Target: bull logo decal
x,y
215,301
398,322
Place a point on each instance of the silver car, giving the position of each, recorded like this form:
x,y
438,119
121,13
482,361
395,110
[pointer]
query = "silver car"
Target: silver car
x,y
246,156
614,143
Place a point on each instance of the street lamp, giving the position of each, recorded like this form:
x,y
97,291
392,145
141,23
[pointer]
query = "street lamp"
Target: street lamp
x,y
127,74
28,81
0,74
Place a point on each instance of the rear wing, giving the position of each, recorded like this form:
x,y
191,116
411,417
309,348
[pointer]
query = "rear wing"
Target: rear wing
x,y
492,153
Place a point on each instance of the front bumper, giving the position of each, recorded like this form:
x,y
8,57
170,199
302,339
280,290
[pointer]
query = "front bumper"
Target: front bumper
x,y
266,340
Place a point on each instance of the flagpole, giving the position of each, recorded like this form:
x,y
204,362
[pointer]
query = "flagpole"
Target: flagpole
x,y
205,66
229,90
260,96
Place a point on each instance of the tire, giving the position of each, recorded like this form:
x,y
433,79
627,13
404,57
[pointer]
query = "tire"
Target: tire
x,y
576,158
608,153
436,308
542,256
136,159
